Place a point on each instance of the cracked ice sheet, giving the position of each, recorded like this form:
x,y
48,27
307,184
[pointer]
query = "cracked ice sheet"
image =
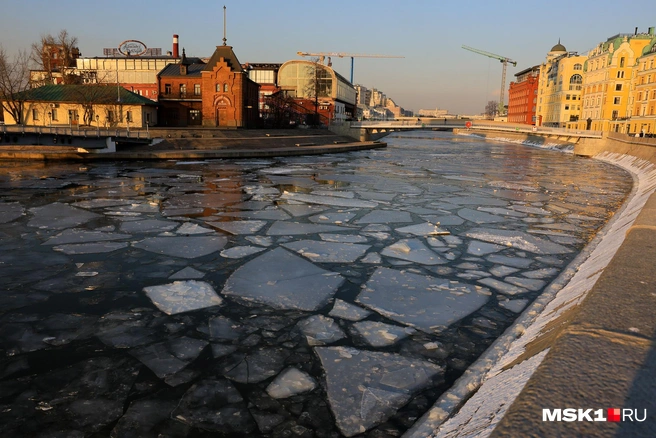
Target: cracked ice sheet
x,y
518,240
59,216
328,200
425,229
413,250
427,303
183,296
80,235
291,382
282,280
384,217
379,334
90,248
366,388
328,252
168,357
293,228
10,211
239,227
320,330
183,246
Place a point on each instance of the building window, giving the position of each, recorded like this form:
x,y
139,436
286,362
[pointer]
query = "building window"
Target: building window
x,y
225,88
110,116
620,75
35,114
578,67
568,97
218,88
196,89
616,101
167,88
183,90
618,87
194,117
54,114
622,61
128,116
566,107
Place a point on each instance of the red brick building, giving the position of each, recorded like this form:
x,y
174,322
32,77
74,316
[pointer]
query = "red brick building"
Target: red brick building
x,y
217,94
522,96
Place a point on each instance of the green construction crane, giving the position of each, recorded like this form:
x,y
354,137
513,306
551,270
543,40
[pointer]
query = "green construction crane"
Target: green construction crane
x,y
505,62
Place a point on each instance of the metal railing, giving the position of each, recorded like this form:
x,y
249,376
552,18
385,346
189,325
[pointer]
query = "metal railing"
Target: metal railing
x,y
76,131
631,138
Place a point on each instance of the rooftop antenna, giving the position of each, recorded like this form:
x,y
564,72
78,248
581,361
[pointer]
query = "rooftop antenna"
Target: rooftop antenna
x,y
224,26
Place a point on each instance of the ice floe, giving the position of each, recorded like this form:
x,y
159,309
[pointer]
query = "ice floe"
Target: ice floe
x,y
427,303
183,296
189,247
328,252
379,334
290,382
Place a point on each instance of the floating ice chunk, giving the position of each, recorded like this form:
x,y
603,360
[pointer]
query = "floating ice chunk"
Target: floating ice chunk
x,y
79,235
475,200
384,217
328,252
338,194
320,330
504,288
351,312
517,239
148,226
541,273
479,217
139,207
187,273
58,216
342,238
376,196
293,228
502,271
472,275
168,357
291,382
269,214
366,388
444,220
260,240
220,350
515,306
413,250
102,203
516,262
142,417
481,248
238,252
286,170
183,296
190,228
531,210
378,334
302,209
182,246
284,281
425,229
372,228
502,211
10,211
220,327
214,405
372,258
427,303
452,240
328,200
90,248
254,367
333,218
527,283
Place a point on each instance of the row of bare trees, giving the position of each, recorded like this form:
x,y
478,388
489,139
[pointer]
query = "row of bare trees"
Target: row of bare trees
x,y
52,56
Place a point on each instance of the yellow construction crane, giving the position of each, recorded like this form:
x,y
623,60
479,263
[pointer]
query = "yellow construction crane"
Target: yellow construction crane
x,y
505,62
322,56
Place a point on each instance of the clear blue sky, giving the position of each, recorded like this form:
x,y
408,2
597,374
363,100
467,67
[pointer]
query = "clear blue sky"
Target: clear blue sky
x,y
435,73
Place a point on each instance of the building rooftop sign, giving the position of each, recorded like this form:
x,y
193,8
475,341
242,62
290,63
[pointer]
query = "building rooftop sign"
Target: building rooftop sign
x,y
132,48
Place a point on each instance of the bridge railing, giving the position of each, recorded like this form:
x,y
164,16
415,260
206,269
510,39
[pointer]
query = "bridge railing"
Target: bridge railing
x,y
75,131
540,130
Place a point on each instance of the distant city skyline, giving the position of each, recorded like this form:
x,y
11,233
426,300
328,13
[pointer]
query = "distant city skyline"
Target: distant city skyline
x,y
434,73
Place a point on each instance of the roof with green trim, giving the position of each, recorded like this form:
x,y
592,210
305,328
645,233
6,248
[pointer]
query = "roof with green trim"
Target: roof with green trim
x,y
98,94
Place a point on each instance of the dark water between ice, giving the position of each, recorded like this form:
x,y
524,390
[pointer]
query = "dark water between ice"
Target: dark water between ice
x,y
311,296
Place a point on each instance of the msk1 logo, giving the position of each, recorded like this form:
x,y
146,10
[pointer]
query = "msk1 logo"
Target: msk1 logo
x,y
611,414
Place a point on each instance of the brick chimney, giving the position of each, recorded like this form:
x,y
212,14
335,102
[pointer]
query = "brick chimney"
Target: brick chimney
x,y
175,46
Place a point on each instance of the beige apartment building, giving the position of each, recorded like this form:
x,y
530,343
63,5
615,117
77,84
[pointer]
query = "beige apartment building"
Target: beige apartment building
x,y
608,76
560,89
642,102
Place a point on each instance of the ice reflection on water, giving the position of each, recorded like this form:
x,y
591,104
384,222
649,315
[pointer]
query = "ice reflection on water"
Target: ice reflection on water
x,y
333,295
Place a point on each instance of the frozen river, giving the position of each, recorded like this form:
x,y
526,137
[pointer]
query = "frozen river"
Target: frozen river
x,y
327,296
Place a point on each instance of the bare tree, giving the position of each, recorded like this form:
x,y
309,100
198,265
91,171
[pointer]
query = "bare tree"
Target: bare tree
x,y
313,88
491,108
55,56
14,78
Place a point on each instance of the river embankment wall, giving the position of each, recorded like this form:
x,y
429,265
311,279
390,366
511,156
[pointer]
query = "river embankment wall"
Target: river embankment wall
x,y
588,342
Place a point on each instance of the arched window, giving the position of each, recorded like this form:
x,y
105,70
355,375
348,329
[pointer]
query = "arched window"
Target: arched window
x,y
225,88
576,79
578,67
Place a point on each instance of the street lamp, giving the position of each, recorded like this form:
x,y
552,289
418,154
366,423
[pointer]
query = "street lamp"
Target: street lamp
x,y
147,133
127,120
98,124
